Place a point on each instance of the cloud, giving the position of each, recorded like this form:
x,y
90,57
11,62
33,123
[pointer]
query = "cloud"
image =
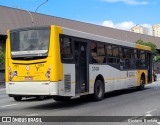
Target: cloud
x,y
123,25
126,25
130,2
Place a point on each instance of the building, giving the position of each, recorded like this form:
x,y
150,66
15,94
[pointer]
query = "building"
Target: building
x,y
11,18
139,29
156,30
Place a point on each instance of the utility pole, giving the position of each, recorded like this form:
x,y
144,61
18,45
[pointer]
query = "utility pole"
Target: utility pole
x,y
41,5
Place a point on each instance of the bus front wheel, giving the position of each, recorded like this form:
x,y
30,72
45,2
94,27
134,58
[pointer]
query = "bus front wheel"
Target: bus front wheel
x,y
98,90
17,98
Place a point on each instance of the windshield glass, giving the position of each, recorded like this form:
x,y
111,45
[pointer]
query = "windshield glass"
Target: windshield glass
x,y
30,42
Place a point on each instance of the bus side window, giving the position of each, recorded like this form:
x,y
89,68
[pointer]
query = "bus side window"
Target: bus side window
x,y
138,60
66,51
94,52
126,58
109,53
143,59
133,58
101,53
97,53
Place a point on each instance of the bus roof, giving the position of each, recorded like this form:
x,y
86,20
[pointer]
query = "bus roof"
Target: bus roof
x,y
89,36
139,46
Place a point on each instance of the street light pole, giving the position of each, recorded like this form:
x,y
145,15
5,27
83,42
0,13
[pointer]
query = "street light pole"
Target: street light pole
x,y
31,17
41,5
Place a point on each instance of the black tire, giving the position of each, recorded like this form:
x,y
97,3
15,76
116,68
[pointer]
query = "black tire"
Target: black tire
x,y
17,98
155,78
98,90
40,98
61,98
142,83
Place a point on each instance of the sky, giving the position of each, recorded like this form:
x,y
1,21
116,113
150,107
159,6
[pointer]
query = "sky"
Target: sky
x,y
121,14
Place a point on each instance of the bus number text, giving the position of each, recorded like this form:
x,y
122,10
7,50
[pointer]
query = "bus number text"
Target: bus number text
x,y
95,68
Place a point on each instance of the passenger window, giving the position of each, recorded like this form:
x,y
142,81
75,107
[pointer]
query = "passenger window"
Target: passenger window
x,y
109,50
126,58
115,51
112,54
143,59
100,50
97,53
133,58
66,50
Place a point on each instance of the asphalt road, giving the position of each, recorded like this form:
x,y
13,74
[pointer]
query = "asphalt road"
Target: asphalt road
x,y
128,102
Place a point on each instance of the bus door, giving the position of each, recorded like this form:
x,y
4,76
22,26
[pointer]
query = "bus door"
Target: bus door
x,y
150,67
81,66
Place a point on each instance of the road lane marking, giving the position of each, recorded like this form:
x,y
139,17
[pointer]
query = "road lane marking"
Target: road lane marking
x,y
151,111
8,105
148,115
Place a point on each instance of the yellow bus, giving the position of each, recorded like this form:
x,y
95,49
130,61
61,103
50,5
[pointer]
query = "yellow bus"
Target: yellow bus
x,y
63,63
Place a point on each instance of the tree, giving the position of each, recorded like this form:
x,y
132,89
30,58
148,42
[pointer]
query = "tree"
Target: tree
x,y
150,44
1,55
158,58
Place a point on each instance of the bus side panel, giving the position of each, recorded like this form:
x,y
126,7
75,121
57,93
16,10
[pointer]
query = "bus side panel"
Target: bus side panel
x,y
69,80
111,77
128,79
114,79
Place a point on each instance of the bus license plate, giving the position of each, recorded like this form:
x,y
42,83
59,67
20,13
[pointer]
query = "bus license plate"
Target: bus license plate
x,y
28,78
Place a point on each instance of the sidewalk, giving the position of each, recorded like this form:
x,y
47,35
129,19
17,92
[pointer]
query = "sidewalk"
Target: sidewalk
x,y
2,87
2,84
2,90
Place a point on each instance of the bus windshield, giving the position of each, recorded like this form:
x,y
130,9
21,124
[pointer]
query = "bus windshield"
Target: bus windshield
x,y
30,42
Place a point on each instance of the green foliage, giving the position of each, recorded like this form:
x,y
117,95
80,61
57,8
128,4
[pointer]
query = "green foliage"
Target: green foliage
x,y
1,56
150,44
158,58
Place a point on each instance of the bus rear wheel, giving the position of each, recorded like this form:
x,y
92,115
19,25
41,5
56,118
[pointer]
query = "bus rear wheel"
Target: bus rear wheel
x,y
98,90
142,83
61,98
17,98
